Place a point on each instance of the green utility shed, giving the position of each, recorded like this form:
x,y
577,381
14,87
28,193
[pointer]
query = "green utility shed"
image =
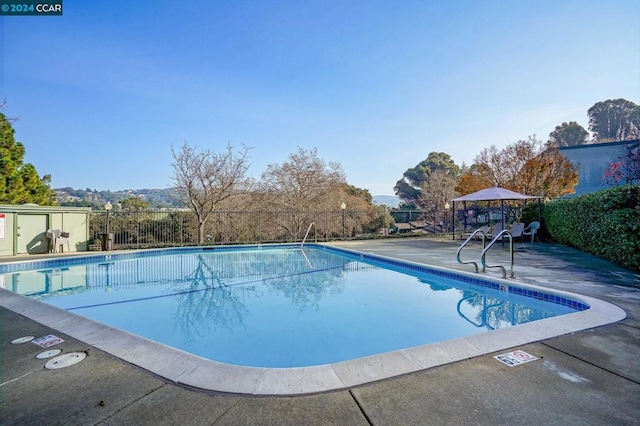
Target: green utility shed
x,y
23,228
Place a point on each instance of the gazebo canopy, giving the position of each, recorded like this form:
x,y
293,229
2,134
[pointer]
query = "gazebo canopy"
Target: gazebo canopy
x,y
494,193
490,194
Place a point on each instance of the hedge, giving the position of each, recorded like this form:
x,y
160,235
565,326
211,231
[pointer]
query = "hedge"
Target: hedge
x,y
604,223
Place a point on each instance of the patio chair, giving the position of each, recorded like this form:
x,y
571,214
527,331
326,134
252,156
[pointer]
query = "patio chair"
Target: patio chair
x,y
62,240
532,229
58,238
52,235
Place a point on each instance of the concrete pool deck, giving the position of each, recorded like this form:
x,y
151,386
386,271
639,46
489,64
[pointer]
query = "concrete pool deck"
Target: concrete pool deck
x,y
590,377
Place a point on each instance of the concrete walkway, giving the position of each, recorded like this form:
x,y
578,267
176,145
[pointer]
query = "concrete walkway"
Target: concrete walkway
x,y
589,377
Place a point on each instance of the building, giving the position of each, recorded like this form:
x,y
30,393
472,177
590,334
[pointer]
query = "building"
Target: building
x,y
592,160
23,228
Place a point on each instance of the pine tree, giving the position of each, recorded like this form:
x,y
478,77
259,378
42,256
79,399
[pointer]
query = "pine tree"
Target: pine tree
x,y
20,183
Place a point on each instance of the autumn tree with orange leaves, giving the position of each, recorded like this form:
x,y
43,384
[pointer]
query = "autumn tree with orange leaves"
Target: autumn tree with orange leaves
x,y
474,179
526,166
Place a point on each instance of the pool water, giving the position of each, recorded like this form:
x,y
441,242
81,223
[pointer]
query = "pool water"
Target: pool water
x,y
279,306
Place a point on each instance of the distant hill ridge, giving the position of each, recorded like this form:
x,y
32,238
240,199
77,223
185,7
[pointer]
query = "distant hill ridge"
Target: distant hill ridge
x,y
389,200
158,198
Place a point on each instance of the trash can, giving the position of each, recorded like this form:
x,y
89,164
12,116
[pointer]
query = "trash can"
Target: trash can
x,y
107,242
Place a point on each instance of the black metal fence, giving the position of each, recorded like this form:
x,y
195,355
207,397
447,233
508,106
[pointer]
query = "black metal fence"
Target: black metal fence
x,y
167,228
145,229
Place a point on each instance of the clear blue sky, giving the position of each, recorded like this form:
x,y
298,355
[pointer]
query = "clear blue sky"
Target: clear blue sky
x,y
103,92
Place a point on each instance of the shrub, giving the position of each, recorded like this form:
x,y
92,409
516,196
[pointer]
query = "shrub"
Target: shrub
x,y
604,223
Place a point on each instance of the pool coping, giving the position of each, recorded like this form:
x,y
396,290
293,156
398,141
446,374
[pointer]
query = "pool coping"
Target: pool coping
x,y
191,370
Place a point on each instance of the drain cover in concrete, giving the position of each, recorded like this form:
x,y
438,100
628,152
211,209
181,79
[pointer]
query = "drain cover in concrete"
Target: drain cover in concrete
x,y
24,339
48,354
65,360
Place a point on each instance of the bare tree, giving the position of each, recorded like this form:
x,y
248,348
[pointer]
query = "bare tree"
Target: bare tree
x,y
3,104
437,191
300,185
530,167
203,179
502,166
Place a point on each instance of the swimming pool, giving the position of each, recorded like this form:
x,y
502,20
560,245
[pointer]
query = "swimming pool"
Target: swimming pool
x,y
214,293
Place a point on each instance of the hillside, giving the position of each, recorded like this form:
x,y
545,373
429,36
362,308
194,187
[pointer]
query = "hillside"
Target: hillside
x,y
388,200
158,198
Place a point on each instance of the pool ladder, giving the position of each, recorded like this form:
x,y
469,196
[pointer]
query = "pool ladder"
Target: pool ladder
x,y
483,256
307,234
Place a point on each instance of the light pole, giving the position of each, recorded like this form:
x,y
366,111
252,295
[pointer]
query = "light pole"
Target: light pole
x,y
343,207
108,208
446,216
106,242
384,222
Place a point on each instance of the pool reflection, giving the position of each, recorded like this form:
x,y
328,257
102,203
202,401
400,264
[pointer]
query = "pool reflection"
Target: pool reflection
x,y
277,307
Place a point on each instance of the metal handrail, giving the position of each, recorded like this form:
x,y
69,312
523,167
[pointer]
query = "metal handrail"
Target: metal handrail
x,y
484,254
307,234
484,236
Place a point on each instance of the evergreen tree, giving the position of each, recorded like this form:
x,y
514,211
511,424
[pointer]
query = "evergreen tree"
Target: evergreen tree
x,y
614,120
410,188
569,134
20,183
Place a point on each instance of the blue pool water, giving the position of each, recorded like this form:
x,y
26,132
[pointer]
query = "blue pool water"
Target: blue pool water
x,y
278,306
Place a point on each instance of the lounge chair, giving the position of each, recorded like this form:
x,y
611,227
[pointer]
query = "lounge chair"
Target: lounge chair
x,y
517,230
532,229
497,228
484,229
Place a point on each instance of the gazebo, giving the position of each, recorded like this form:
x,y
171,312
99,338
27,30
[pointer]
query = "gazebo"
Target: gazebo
x,y
492,194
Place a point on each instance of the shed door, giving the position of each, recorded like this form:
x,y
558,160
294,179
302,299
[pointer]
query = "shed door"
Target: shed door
x,y
32,233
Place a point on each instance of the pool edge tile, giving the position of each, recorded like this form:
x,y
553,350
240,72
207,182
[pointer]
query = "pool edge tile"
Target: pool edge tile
x,y
376,367
303,380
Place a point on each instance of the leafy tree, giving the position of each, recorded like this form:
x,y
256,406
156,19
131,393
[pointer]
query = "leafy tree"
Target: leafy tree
x,y
134,204
626,168
549,175
476,178
569,134
364,194
410,187
529,167
360,200
20,183
614,120
204,179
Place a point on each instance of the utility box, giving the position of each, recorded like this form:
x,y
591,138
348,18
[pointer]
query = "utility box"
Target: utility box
x,y
23,228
